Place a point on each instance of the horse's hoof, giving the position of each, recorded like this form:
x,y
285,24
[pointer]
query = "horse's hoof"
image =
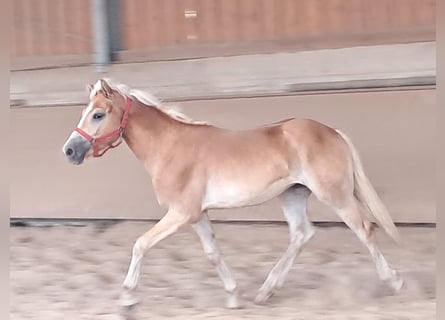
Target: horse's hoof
x,y
128,301
233,302
397,283
263,296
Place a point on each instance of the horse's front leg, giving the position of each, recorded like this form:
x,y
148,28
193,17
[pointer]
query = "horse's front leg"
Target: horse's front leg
x,y
168,225
204,230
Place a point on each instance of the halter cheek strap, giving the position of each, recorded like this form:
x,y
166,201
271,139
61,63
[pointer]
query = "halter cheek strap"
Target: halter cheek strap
x,y
95,141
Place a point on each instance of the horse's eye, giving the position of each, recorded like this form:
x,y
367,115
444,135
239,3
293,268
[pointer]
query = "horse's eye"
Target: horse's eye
x,y
98,116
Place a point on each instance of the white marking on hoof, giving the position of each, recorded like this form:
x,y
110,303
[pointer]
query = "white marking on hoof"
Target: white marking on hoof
x,y
233,302
397,283
263,296
127,300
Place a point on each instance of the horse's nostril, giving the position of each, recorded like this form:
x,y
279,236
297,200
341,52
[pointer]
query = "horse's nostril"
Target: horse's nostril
x,y
69,152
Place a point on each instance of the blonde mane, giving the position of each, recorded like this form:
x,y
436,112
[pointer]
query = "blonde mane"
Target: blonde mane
x,y
147,99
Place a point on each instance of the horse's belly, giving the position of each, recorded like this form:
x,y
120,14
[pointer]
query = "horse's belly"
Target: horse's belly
x,y
223,194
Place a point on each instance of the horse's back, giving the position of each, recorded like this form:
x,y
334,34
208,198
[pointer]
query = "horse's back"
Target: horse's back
x,y
285,138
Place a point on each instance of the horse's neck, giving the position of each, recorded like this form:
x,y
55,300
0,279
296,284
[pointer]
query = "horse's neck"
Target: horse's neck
x,y
149,132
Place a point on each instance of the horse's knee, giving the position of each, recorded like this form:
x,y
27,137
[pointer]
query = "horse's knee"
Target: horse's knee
x,y
213,257
369,229
302,234
139,247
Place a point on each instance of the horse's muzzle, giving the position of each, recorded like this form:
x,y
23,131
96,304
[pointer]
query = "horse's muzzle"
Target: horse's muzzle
x,y
75,149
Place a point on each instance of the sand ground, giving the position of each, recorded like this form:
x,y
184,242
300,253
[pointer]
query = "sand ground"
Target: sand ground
x,y
68,272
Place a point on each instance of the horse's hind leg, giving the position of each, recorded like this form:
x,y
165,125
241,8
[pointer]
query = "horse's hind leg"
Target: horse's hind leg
x,y
294,203
364,229
204,230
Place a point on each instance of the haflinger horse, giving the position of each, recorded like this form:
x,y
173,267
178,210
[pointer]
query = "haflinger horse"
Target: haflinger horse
x,y
195,166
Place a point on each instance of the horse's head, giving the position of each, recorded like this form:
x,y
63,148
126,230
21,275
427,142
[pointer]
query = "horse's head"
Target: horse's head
x,y
101,125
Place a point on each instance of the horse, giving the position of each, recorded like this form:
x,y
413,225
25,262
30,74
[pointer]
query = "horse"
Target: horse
x,y
196,166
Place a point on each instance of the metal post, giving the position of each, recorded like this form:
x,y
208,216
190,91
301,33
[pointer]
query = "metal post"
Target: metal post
x,y
101,39
114,25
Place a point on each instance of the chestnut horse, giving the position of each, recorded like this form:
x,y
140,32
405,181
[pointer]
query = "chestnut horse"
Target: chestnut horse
x,y
195,166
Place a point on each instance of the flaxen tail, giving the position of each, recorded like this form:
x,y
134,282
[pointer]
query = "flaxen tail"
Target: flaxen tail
x,y
366,194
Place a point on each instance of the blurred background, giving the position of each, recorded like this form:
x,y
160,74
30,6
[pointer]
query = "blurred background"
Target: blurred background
x,y
53,33
366,67
236,63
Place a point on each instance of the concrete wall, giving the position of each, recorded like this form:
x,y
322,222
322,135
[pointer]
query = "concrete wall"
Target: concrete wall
x,y
394,131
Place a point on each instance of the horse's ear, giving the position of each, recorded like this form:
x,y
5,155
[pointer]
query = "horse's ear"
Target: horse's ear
x,y
105,87
89,88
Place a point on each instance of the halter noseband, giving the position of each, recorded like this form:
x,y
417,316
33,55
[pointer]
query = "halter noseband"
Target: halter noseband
x,y
108,136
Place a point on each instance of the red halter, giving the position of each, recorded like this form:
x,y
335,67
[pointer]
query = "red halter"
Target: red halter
x,y
108,136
